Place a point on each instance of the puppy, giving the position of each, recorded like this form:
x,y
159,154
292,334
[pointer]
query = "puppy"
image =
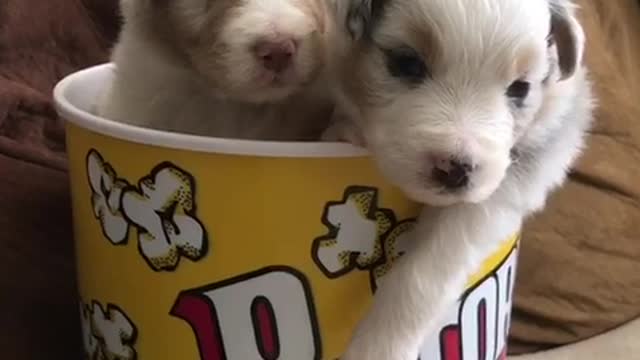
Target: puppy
x,y
249,69
476,108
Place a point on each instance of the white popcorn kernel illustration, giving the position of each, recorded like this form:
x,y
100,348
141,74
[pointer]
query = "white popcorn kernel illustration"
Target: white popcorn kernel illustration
x,y
115,333
106,189
395,244
163,210
107,335
90,342
356,225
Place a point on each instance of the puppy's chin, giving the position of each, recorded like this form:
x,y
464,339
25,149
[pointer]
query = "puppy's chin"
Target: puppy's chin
x,y
442,198
432,195
258,92
431,198
264,94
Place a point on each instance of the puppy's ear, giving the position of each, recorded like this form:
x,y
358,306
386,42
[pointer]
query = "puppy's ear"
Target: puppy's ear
x,y
567,36
361,16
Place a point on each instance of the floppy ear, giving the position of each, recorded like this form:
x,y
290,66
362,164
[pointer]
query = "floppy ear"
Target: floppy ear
x,y
361,15
567,36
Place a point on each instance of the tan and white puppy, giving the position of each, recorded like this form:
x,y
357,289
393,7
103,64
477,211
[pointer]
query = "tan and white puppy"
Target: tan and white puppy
x,y
476,108
249,69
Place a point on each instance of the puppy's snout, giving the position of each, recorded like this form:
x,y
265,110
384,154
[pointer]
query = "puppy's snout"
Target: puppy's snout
x,y
275,55
451,173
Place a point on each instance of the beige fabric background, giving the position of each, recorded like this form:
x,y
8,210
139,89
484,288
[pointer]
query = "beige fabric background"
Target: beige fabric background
x,y
579,272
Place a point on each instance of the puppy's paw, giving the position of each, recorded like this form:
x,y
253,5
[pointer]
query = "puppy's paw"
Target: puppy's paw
x,y
343,131
367,350
372,342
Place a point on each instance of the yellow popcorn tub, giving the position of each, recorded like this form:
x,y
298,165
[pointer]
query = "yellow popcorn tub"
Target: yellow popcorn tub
x,y
216,249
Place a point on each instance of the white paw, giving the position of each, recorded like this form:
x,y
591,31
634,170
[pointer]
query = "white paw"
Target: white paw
x,y
390,330
381,350
372,342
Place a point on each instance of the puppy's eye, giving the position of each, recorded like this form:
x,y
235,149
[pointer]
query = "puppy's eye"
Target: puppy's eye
x,y
407,64
518,90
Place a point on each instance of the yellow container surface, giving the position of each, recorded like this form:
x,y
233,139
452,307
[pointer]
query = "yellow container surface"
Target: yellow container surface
x,y
189,253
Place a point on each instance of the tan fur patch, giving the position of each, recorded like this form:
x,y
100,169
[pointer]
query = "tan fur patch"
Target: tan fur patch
x,y
354,77
207,48
426,43
524,59
354,71
317,10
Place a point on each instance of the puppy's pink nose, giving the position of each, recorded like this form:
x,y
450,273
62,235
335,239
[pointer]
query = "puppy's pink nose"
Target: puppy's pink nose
x,y
275,56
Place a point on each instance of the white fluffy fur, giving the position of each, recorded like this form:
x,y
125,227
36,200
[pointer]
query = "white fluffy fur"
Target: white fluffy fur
x,y
461,110
178,81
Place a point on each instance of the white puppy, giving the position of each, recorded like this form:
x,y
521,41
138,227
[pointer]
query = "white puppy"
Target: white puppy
x,y
475,107
248,69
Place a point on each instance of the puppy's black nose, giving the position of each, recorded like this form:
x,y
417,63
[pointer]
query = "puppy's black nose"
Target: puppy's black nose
x,y
453,174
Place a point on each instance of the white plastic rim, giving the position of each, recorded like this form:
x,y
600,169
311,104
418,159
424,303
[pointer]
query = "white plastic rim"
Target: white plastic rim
x,y
75,94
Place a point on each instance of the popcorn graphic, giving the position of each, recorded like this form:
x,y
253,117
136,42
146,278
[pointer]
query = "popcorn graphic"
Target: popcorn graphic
x,y
361,236
163,210
90,342
108,335
106,191
356,226
395,244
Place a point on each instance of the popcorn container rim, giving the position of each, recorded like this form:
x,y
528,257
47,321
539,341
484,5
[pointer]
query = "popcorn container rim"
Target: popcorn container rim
x,y
71,90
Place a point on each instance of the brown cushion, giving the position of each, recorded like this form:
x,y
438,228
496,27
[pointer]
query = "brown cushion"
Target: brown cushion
x,y
579,271
40,42
37,307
